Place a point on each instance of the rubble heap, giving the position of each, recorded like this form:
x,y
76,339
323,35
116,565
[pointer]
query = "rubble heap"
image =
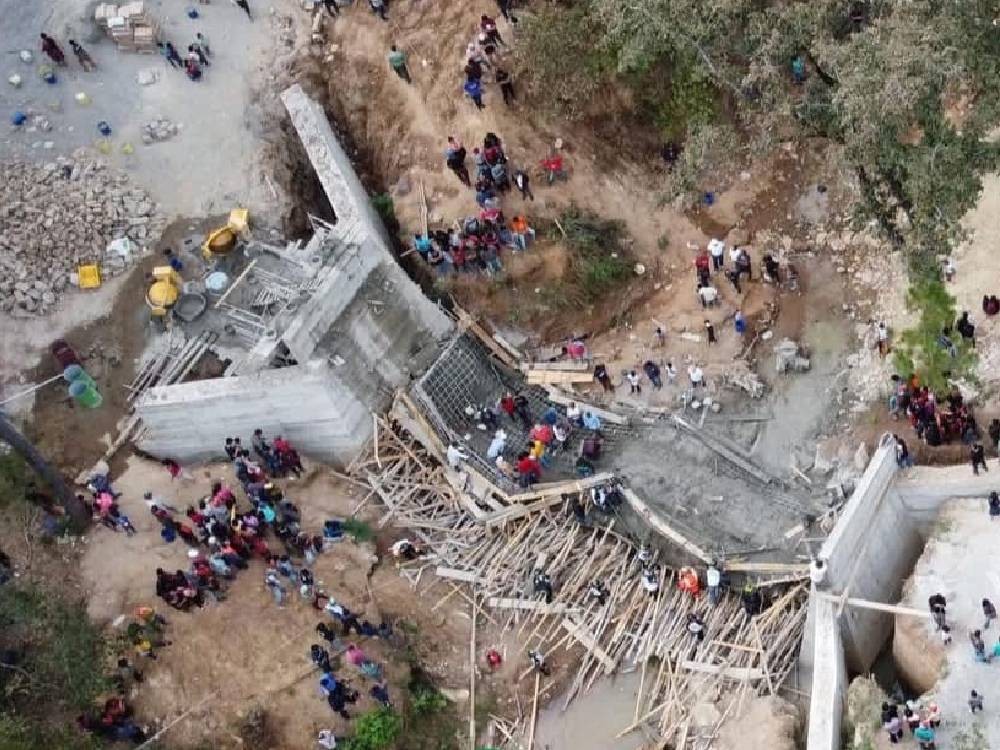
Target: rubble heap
x,y
160,129
56,216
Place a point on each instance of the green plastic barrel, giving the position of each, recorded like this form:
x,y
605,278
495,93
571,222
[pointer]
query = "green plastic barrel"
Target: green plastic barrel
x,y
73,373
85,393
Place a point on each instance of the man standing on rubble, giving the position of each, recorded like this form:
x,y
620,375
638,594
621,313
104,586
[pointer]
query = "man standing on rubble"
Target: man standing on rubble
x,y
978,458
455,456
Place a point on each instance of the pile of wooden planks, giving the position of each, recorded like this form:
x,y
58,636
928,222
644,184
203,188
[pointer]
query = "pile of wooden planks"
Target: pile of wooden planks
x,y
492,566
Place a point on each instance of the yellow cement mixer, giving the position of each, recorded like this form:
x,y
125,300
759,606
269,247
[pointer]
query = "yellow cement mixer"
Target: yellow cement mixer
x,y
164,291
220,242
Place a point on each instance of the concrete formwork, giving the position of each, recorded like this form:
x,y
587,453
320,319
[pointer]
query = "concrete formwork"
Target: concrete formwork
x,y
364,331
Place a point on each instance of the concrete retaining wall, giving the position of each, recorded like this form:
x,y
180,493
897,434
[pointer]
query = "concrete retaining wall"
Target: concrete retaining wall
x,y
829,685
870,553
302,403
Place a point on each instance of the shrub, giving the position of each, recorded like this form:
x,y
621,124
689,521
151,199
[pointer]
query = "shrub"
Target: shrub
x,y
425,700
375,730
598,261
560,63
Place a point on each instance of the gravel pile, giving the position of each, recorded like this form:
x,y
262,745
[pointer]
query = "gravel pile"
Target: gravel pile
x,y
55,216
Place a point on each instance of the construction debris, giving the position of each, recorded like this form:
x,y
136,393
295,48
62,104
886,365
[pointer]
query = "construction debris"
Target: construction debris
x,y
57,216
160,129
746,656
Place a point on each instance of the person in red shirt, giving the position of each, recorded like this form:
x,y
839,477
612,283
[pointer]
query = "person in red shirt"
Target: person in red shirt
x,y
528,469
553,167
507,405
702,264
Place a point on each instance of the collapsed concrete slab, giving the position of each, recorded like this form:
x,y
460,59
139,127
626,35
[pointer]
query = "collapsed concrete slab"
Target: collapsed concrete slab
x,y
360,329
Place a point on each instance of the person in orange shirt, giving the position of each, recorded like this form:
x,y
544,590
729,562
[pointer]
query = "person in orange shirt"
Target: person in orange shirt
x,y
522,233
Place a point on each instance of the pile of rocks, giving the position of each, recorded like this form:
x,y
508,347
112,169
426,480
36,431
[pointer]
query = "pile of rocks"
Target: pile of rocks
x,y
160,129
56,216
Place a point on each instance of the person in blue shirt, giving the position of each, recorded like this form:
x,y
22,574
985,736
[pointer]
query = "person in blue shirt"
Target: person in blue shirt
x,y
474,90
422,244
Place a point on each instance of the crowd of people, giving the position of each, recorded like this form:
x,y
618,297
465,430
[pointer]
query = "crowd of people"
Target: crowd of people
x,y
546,435
477,243
195,59
224,535
936,423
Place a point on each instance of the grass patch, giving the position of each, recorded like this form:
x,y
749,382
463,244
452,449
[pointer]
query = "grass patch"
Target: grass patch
x,y
359,531
598,261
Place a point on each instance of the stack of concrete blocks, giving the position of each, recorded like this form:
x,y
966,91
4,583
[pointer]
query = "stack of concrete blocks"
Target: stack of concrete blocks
x,y
366,331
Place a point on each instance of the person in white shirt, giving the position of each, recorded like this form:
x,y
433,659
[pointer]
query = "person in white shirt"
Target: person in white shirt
x,y
650,582
671,372
497,445
633,382
717,249
713,579
696,376
709,295
455,456
573,413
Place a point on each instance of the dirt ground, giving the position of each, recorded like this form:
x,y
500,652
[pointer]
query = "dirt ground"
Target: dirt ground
x,y
244,651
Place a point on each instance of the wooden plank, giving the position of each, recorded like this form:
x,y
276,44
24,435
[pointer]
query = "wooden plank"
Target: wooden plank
x,y
564,366
556,377
725,451
457,575
565,399
879,606
532,606
584,636
534,712
732,673
467,323
662,527
472,674
541,491
766,567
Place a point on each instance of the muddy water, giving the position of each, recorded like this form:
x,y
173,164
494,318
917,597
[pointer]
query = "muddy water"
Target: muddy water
x,y
592,720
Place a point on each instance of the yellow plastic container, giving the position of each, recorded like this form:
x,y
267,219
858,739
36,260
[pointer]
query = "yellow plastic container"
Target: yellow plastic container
x,y
239,218
89,276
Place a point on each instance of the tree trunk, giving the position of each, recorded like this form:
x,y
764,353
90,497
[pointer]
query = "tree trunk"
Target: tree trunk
x,y
76,510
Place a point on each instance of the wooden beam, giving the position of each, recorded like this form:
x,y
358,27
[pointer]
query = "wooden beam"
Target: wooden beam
x,y
467,323
556,377
532,606
457,575
472,677
563,366
662,527
725,451
878,606
565,399
766,567
584,636
549,489
733,673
